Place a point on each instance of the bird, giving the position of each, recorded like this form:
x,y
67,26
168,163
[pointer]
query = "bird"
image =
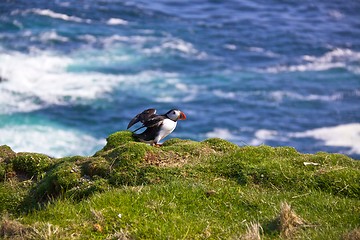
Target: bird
x,y
157,126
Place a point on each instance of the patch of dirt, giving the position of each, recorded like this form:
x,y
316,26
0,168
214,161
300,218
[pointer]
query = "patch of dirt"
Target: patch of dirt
x,y
167,159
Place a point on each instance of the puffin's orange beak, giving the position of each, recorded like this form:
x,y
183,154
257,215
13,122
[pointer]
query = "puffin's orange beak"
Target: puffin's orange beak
x,y
182,116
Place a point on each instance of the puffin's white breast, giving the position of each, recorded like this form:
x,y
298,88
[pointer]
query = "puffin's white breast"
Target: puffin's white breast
x,y
166,128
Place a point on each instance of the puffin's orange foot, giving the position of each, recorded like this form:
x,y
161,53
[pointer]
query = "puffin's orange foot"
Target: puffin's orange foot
x,y
157,145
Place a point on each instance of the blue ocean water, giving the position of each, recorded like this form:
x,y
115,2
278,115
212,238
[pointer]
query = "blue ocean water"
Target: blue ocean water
x,y
282,73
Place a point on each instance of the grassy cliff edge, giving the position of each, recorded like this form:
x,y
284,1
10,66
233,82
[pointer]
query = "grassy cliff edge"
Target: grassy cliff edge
x,y
182,190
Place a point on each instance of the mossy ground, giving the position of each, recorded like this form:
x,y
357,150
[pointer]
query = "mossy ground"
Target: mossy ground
x,y
182,190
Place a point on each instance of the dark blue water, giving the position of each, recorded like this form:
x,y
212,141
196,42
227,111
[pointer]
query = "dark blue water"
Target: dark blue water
x,y
253,72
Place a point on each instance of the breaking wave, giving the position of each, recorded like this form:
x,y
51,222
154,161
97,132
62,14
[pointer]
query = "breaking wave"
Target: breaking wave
x,y
35,81
345,135
337,58
36,138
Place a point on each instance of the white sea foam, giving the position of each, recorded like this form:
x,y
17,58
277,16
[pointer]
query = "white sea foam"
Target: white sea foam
x,y
51,36
279,96
117,21
263,135
35,81
262,50
313,66
36,138
173,44
52,14
238,95
133,40
337,58
336,14
177,45
176,90
225,95
232,47
345,135
223,133
150,45
88,38
18,24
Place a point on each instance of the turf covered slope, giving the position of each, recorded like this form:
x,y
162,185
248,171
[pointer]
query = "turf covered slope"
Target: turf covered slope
x,y
182,190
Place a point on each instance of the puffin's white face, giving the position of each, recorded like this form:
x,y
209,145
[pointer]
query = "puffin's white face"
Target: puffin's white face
x,y
175,115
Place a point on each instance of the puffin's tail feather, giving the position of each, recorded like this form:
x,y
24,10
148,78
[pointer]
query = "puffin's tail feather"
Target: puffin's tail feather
x,y
140,137
146,136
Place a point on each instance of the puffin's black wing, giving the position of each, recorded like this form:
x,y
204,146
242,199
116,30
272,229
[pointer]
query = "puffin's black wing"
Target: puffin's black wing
x,y
143,117
154,121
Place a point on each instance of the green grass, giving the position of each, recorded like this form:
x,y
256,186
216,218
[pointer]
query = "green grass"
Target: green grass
x,y
183,190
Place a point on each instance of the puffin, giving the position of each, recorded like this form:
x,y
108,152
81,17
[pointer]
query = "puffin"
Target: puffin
x,y
157,126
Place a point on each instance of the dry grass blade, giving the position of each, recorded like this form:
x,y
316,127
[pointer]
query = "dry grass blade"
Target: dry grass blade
x,y
120,235
98,216
252,232
45,230
289,221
